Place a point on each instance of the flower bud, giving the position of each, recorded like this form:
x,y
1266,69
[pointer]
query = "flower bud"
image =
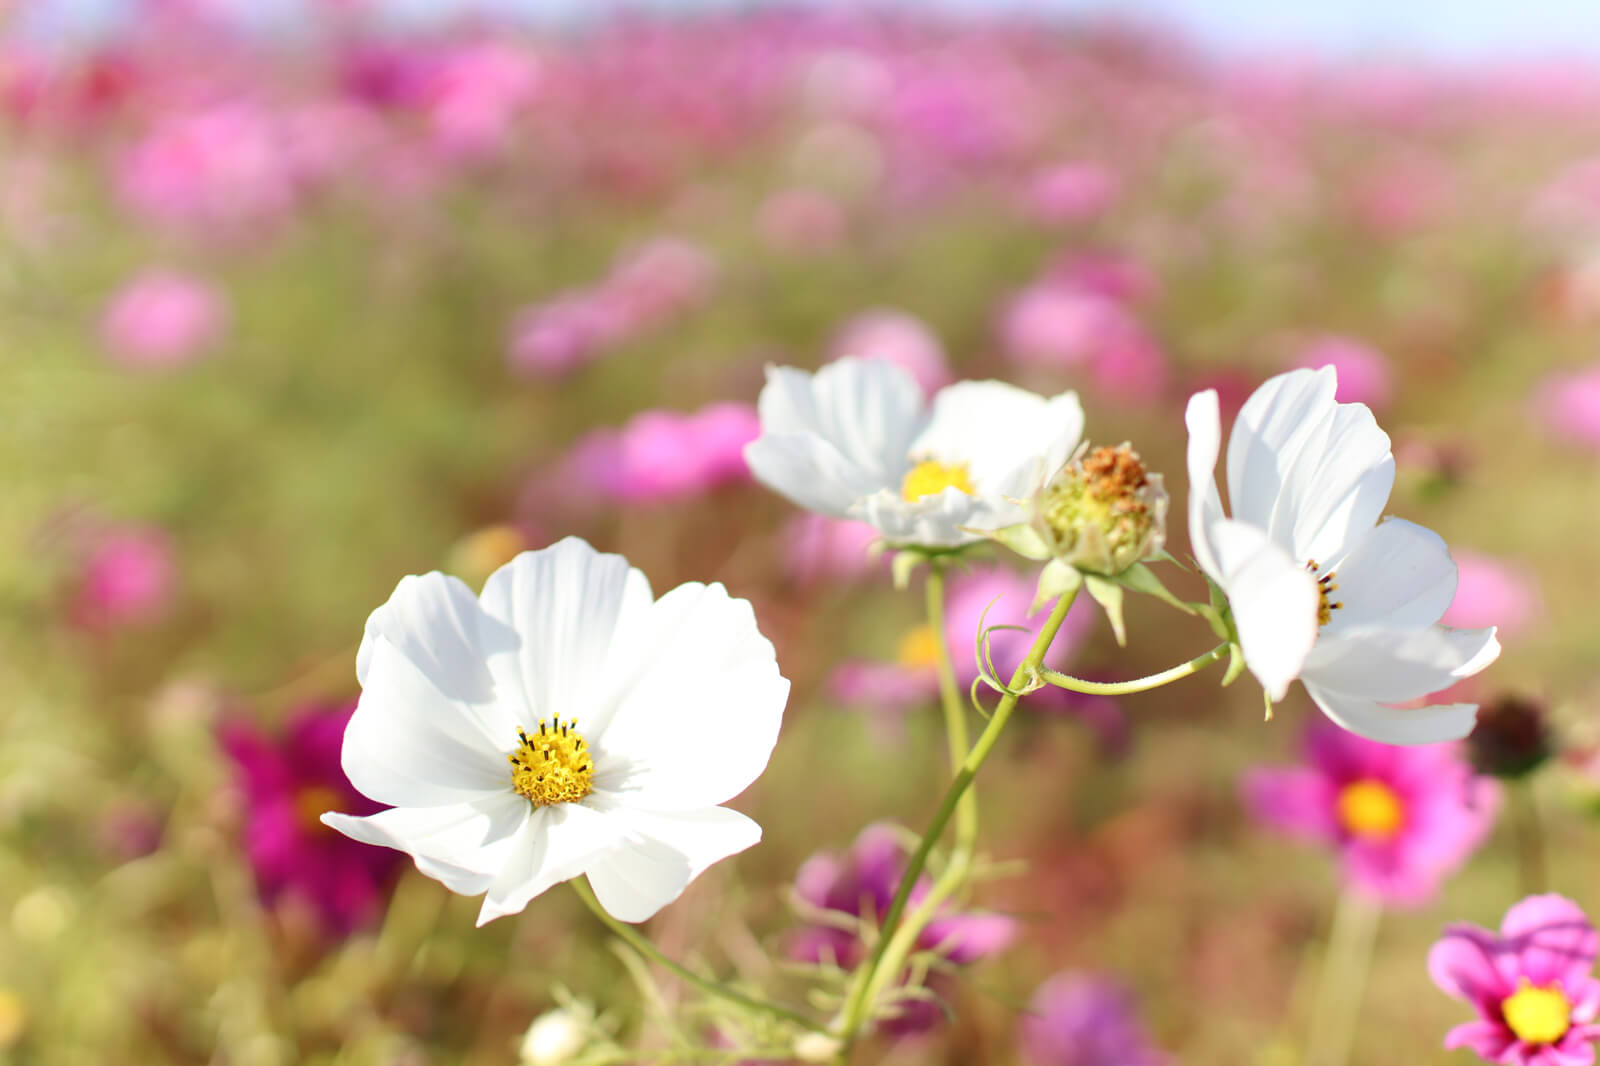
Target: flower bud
x,y
1512,737
554,1038
1103,511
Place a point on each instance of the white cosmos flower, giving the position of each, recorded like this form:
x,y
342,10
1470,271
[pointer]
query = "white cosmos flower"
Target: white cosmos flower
x,y
1320,588
640,717
857,440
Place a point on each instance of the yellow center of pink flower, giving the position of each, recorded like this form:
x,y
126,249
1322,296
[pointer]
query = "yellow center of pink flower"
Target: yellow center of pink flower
x,y
919,647
311,802
552,766
1370,809
1537,1015
931,477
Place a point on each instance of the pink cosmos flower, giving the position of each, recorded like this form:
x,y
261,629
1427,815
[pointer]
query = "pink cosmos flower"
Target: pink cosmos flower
x,y
1570,404
664,455
1492,592
1083,1019
1363,371
899,338
564,333
1061,326
1110,274
286,784
475,95
221,167
801,220
127,579
1070,192
861,884
662,278
1401,819
162,319
1531,984
816,548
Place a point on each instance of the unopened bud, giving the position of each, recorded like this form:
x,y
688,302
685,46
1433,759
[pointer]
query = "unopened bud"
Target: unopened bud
x,y
554,1038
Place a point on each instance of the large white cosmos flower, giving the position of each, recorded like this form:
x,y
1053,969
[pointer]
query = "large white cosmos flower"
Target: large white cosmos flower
x,y
857,440
563,723
1320,589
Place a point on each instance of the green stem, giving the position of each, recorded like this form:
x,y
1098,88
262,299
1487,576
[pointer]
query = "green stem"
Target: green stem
x,y
1344,980
857,1005
642,944
1529,836
1142,684
955,716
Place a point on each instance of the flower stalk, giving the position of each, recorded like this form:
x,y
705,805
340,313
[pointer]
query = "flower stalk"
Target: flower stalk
x,y
1142,684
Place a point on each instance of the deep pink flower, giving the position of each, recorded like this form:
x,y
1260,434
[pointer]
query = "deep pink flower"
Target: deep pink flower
x,y
127,579
1400,819
1363,371
1083,1019
475,94
1570,404
287,783
663,455
1531,984
1490,592
899,338
862,883
162,319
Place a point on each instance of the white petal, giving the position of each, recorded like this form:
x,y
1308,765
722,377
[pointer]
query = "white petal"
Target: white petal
x,y
1392,725
462,845
665,853
411,746
1339,486
1274,425
1398,575
436,623
1395,665
1008,437
939,521
1274,602
556,844
565,604
1205,506
698,704
836,435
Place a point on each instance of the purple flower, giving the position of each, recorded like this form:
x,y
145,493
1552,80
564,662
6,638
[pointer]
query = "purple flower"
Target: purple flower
x,y
1530,984
861,884
287,783
1082,1019
1400,818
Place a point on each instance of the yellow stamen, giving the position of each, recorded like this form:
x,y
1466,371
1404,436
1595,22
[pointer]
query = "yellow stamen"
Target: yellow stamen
x,y
1326,605
931,477
1537,1015
919,647
1370,809
552,765
310,803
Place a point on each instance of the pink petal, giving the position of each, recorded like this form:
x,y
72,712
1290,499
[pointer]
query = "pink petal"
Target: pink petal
x,y
1551,939
1462,964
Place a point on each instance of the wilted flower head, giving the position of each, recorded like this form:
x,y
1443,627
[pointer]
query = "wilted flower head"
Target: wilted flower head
x,y
563,723
1512,738
1400,819
1103,511
286,783
161,319
1084,1019
1531,984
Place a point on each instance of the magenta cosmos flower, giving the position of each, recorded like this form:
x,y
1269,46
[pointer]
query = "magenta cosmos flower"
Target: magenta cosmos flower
x,y
1531,984
1083,1019
162,319
286,784
861,884
1400,818
664,455
128,578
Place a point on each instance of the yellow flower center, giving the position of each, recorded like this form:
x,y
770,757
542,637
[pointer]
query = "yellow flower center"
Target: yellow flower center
x,y
1325,602
1370,809
551,766
310,803
931,477
919,647
1537,1015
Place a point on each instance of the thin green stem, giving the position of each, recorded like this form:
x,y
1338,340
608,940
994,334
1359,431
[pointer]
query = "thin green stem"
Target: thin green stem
x,y
1344,980
892,937
1142,684
1529,836
643,945
955,711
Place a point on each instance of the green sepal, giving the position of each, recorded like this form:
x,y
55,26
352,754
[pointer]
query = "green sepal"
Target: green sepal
x,y
1108,594
1140,578
1235,665
906,561
1021,538
1266,699
1057,579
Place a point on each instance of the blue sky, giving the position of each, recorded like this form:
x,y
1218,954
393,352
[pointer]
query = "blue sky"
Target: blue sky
x,y
1451,29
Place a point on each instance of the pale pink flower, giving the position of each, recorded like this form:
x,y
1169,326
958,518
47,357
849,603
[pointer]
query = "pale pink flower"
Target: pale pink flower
x,y
162,319
1070,192
1490,592
1570,405
223,166
664,455
816,548
1084,1019
662,278
899,338
1363,371
801,220
476,94
128,578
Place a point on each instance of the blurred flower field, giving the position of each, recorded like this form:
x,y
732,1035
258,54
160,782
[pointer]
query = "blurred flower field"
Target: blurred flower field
x,y
284,321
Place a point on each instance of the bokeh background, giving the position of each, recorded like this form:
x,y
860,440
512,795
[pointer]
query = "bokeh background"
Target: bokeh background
x,y
299,299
